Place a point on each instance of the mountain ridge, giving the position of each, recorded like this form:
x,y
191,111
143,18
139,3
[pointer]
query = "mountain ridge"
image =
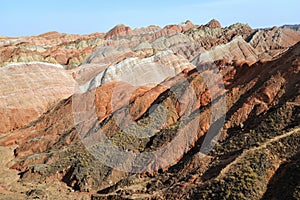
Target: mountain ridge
x,y
179,112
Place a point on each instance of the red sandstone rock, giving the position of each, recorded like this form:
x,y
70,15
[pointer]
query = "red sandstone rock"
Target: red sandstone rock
x,y
186,26
27,90
213,24
274,41
174,28
52,47
119,30
53,148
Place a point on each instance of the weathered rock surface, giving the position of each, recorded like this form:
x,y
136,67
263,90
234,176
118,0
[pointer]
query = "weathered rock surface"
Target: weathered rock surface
x,y
237,49
119,30
52,47
210,37
274,41
27,91
246,109
213,24
185,38
180,112
152,70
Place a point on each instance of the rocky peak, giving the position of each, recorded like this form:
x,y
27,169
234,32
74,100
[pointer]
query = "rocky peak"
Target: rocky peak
x,y
119,30
213,24
146,108
187,25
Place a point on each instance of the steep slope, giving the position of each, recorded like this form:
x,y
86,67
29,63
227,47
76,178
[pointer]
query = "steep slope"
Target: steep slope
x,y
242,165
237,49
179,112
274,41
260,132
27,90
211,35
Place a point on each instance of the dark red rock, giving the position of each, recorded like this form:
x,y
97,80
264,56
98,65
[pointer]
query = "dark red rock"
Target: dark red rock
x,y
119,30
213,24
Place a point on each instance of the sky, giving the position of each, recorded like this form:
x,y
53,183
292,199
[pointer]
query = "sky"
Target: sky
x,y
33,17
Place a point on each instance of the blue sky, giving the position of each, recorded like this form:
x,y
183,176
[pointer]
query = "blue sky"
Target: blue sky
x,y
33,17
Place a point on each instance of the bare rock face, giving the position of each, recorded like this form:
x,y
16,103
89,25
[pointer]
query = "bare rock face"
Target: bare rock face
x,y
119,30
272,89
237,49
275,40
180,28
213,24
180,112
155,68
53,47
72,50
248,114
210,37
27,90
186,26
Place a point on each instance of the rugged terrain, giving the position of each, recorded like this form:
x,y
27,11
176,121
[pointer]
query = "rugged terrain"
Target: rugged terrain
x,y
180,112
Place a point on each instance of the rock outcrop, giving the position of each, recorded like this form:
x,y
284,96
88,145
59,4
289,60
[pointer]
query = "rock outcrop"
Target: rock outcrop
x,y
210,37
213,24
71,50
119,30
251,101
180,112
27,91
237,49
53,47
274,41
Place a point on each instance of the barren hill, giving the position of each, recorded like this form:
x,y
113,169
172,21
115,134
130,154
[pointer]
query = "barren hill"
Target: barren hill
x,y
180,112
